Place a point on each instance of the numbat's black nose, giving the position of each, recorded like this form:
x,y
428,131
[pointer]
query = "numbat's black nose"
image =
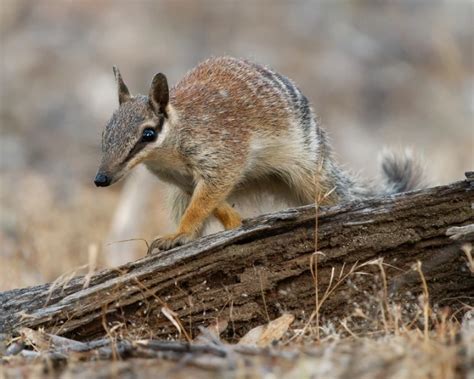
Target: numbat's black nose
x,y
102,180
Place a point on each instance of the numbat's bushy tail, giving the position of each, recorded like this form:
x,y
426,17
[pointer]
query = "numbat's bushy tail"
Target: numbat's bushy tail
x,y
232,128
401,171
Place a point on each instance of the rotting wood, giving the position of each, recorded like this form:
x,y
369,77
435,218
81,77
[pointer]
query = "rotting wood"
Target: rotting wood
x,y
230,274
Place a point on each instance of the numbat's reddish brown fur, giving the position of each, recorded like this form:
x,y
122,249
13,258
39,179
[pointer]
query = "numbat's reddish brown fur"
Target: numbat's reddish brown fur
x,y
231,128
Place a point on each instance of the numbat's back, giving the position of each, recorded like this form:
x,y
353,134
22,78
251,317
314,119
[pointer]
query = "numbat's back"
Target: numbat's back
x,y
232,128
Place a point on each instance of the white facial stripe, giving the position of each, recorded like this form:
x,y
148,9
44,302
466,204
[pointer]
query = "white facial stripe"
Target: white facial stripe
x,y
161,135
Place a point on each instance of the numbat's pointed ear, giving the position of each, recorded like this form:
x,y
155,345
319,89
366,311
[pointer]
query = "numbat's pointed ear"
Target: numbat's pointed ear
x,y
159,94
123,92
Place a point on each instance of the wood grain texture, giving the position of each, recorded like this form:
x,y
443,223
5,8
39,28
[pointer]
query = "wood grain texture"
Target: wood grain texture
x,y
262,269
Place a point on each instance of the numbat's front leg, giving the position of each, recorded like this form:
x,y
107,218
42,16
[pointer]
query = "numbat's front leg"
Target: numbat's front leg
x,y
205,200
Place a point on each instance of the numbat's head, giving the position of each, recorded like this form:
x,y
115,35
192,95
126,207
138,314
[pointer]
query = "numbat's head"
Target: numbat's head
x,y
134,131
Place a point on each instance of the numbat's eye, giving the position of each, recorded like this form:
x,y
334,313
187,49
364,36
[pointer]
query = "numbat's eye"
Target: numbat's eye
x,y
149,135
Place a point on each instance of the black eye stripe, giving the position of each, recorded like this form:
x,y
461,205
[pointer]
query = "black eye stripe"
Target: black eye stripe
x,y
140,144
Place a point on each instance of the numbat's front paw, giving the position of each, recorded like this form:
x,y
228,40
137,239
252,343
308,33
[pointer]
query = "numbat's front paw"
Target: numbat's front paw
x,y
168,242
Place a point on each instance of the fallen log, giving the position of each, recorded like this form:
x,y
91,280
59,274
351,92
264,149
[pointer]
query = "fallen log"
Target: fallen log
x,y
268,266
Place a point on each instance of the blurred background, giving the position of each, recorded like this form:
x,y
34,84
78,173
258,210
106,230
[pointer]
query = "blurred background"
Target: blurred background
x,y
378,73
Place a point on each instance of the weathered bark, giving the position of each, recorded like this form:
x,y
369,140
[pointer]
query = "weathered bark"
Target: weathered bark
x,y
263,268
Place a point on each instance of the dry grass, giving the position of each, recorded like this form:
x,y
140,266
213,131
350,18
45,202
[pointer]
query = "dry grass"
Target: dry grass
x,y
381,338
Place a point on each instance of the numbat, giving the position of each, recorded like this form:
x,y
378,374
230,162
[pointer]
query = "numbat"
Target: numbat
x,y
231,128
